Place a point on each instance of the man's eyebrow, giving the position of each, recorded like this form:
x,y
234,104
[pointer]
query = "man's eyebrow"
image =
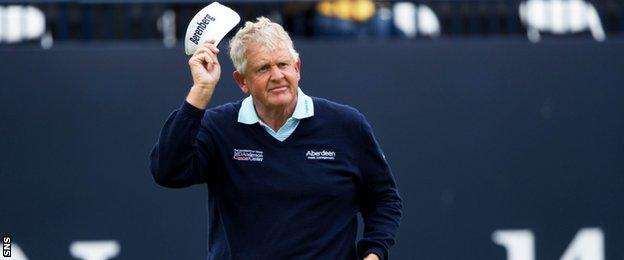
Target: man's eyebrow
x,y
263,63
260,63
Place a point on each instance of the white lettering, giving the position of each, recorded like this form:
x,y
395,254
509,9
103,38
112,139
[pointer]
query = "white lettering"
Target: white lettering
x,y
17,253
588,244
248,155
520,244
320,155
94,250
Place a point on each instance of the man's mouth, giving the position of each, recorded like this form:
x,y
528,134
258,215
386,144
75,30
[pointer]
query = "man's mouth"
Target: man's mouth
x,y
278,89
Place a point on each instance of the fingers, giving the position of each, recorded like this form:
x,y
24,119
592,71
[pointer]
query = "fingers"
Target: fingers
x,y
207,46
210,44
206,54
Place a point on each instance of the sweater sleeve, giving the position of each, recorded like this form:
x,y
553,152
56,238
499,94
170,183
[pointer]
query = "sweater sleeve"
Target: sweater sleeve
x,y
180,158
380,203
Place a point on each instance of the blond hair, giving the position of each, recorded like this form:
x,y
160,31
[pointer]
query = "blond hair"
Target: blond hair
x,y
263,32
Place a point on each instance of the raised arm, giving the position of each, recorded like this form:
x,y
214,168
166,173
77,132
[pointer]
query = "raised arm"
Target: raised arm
x,y
206,71
181,158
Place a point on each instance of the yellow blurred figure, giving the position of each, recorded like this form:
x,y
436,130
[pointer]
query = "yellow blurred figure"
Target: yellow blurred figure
x,y
362,10
342,9
350,10
325,8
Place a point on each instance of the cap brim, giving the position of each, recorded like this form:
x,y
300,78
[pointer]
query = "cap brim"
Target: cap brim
x,y
212,22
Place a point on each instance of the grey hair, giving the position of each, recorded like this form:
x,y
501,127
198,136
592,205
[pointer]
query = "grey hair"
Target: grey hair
x,y
264,32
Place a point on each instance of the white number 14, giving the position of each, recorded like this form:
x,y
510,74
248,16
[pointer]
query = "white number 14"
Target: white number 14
x,y
588,244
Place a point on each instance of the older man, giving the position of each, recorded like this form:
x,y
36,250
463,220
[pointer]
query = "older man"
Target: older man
x,y
286,173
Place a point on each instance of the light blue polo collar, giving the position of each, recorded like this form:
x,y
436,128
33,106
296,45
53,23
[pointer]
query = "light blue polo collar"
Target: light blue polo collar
x,y
304,109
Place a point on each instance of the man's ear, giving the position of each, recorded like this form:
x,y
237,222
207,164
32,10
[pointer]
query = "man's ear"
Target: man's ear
x,y
298,68
240,81
298,65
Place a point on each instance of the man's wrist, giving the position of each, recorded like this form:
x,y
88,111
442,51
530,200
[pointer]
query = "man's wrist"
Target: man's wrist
x,y
372,256
376,251
199,96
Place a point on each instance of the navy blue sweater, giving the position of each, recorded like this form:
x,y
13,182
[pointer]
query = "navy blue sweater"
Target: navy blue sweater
x,y
296,199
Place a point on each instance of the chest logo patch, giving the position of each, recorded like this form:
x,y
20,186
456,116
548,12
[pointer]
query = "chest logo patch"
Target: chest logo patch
x,y
248,155
320,155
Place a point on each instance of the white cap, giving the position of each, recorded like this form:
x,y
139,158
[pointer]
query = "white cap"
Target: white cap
x,y
212,22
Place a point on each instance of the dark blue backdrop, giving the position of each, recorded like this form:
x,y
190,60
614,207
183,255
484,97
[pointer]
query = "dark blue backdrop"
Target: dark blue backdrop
x,y
481,135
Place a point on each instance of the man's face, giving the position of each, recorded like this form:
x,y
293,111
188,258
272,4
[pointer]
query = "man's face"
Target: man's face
x,y
272,77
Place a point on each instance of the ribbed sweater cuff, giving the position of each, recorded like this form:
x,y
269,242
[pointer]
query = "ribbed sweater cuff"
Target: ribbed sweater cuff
x,y
192,110
375,250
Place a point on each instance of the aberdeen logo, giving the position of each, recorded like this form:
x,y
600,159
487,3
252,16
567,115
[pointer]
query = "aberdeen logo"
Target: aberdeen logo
x,y
248,155
320,155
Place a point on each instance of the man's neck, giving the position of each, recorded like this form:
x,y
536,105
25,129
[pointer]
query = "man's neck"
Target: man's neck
x,y
276,117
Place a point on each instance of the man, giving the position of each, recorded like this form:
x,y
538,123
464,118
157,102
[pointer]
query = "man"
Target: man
x,y
286,173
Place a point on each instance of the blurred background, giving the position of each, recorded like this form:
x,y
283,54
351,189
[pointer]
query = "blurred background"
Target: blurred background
x,y
502,121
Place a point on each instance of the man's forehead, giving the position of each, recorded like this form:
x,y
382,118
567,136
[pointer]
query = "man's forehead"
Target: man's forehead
x,y
260,54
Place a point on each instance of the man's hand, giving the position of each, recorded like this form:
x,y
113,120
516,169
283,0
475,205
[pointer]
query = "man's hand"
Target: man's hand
x,y
371,257
206,71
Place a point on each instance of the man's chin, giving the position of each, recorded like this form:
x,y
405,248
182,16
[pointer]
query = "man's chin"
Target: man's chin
x,y
281,100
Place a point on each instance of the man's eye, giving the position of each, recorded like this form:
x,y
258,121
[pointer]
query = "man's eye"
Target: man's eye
x,y
283,65
263,69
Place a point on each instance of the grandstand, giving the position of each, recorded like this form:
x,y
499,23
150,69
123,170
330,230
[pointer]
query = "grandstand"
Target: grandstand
x,y
99,20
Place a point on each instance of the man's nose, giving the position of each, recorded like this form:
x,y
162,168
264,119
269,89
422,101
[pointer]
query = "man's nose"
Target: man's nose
x,y
276,73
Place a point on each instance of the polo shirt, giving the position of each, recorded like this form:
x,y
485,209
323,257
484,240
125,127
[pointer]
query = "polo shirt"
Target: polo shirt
x,y
304,109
